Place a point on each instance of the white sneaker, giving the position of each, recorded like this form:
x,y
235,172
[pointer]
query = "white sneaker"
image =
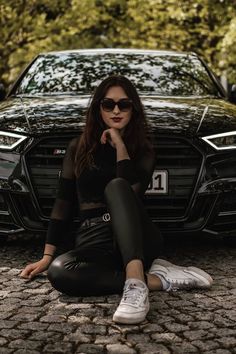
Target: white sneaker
x,y
180,277
134,304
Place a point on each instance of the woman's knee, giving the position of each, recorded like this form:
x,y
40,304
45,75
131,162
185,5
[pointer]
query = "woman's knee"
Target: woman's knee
x,y
56,270
116,185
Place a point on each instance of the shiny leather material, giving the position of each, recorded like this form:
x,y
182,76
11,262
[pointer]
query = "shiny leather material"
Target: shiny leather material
x,y
96,266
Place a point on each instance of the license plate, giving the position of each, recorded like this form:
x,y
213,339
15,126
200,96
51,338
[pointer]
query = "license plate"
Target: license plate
x,y
159,183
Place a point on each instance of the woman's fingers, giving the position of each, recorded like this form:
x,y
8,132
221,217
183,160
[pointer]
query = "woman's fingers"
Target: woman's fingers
x,y
35,272
26,272
32,269
103,137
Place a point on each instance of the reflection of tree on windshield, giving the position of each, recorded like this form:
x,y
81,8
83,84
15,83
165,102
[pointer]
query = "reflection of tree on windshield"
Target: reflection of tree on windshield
x,y
164,75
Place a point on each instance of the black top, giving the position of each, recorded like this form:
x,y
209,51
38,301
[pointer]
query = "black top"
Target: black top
x,y
90,186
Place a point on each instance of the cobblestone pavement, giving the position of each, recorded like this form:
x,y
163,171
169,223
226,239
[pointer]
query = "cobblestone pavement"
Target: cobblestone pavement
x,y
34,318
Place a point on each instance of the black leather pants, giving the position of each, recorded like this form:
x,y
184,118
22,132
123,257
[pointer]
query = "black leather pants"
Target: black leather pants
x,y
97,264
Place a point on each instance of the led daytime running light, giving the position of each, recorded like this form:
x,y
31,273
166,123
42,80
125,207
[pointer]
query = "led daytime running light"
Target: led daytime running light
x,y
223,141
8,141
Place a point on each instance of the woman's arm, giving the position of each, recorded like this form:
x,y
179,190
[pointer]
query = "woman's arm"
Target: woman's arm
x,y
61,216
139,173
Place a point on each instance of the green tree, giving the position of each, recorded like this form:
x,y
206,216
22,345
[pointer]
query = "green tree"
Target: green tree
x,y
28,27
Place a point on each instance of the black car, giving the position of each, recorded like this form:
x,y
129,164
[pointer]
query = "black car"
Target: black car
x,y
192,126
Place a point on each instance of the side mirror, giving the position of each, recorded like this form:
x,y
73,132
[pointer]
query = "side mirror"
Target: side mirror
x,y
2,92
233,93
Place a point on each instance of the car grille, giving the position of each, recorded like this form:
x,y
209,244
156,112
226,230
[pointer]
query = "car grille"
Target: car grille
x,y
183,162
176,155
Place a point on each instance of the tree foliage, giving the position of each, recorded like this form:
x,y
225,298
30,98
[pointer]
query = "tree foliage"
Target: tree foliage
x,y
28,27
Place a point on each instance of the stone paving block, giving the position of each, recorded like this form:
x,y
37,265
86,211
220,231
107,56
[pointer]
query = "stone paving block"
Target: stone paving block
x,y
3,341
53,318
62,327
166,338
152,348
205,345
151,328
6,351
27,317
227,342
201,324
138,337
197,334
125,329
45,336
40,291
204,316
183,348
33,326
37,302
13,333
8,323
78,319
93,329
23,344
224,332
78,337
107,339
90,349
119,349
58,347
176,327
5,315
182,318
106,320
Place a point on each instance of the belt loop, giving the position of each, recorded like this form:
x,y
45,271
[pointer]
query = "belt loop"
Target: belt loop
x,y
106,217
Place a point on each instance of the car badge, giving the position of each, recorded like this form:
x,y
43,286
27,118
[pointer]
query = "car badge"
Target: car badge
x,y
59,152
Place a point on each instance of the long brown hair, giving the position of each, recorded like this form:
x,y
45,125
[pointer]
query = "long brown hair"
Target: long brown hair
x,y
134,134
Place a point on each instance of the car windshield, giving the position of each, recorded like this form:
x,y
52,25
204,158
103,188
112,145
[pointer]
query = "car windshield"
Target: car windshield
x,y
152,74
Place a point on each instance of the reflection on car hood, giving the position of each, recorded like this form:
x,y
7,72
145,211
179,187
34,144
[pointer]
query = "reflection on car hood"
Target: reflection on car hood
x,y
188,116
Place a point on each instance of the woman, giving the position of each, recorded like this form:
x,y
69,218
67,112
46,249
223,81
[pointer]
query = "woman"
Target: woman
x,y
108,170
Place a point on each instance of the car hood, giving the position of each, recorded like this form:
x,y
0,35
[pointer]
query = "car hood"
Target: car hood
x,y
188,116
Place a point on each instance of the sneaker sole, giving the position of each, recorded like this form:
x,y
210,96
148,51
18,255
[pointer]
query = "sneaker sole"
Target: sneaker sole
x,y
205,277
124,320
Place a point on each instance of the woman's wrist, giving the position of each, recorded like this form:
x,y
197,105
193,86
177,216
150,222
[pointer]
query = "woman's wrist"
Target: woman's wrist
x,y
122,153
48,254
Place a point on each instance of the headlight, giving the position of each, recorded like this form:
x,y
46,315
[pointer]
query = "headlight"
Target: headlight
x,y
9,141
223,141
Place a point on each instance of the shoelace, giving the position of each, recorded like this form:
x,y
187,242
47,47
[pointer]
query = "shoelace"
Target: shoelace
x,y
132,295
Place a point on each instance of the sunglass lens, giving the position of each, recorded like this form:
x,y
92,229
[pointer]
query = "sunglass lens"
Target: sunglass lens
x,y
124,105
108,105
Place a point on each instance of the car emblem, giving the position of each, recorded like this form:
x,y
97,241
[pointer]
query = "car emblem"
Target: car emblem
x,y
59,151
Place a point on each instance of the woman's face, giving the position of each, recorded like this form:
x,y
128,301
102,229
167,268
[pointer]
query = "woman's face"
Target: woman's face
x,y
116,115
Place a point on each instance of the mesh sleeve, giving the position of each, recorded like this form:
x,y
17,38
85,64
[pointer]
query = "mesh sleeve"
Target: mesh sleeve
x,y
64,205
139,172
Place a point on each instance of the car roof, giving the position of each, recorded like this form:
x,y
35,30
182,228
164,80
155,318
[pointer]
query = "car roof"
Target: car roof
x,y
120,51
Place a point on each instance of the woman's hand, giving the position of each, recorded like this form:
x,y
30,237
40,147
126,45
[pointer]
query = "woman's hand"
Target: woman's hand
x,y
31,270
112,136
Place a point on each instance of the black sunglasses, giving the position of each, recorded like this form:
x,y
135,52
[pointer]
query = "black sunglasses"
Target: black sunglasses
x,y
124,104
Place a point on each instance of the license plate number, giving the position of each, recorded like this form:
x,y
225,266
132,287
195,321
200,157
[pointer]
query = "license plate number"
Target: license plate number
x,y
159,183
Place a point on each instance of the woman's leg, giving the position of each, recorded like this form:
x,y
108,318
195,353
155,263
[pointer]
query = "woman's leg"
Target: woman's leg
x,y
92,268
136,236
139,242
